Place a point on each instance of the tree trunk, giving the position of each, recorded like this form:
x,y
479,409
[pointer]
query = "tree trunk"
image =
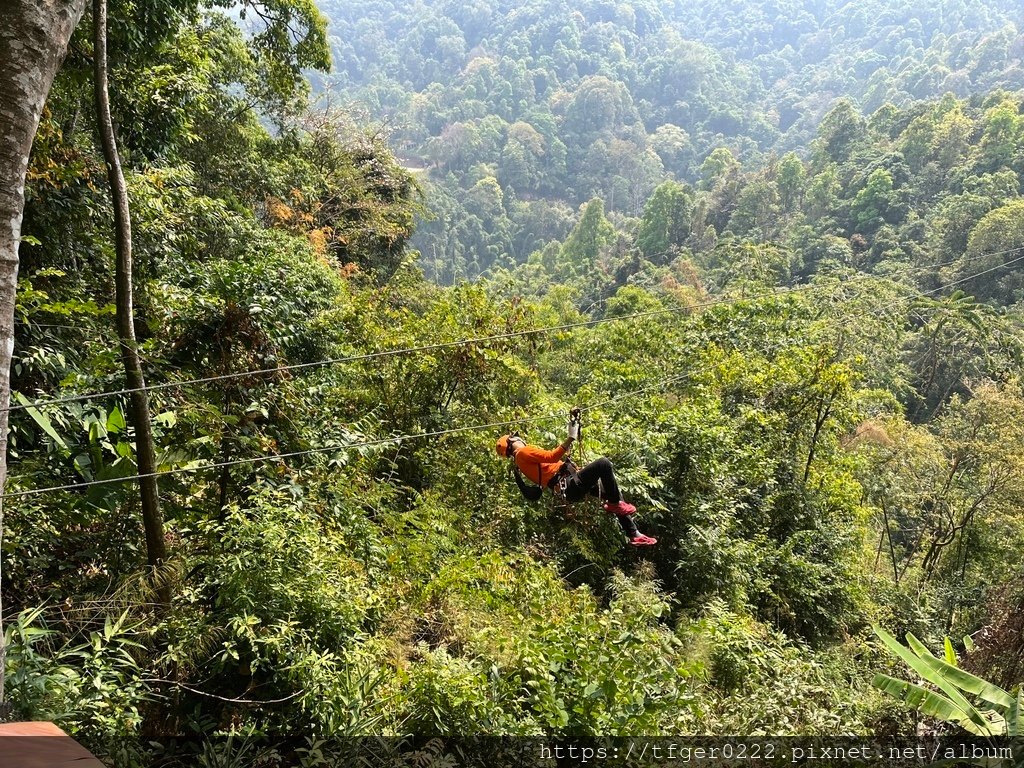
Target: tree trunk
x,y
152,519
34,37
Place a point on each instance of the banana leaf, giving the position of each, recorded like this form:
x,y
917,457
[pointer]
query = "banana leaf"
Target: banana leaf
x,y
922,665
930,703
950,652
43,421
962,679
1015,716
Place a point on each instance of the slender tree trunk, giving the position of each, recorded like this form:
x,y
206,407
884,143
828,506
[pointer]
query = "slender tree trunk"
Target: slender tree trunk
x,y
892,548
34,37
225,441
152,518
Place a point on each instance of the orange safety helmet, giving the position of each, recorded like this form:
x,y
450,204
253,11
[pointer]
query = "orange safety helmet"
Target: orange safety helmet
x,y
502,445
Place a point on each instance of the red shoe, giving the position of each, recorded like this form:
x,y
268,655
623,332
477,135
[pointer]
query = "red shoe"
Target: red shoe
x,y
621,508
643,541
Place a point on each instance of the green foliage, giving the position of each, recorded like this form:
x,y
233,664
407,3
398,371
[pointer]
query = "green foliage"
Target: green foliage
x,y
665,224
32,681
940,492
574,670
564,102
996,240
818,427
761,526
584,244
92,684
1000,715
761,682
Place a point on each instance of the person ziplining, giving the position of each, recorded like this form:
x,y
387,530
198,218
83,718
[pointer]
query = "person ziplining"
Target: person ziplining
x,y
553,469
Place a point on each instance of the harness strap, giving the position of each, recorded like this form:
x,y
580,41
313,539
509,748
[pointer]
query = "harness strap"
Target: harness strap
x,y
567,474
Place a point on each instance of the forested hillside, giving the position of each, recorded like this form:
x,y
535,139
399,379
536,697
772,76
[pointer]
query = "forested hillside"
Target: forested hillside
x,y
522,112
776,258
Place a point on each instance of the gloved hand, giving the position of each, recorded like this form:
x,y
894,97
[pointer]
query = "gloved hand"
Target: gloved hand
x,y
572,430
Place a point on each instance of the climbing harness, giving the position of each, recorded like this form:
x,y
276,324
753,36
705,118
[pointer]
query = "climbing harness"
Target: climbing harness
x,y
568,474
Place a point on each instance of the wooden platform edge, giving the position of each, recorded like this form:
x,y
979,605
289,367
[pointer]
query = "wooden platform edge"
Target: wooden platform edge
x,y
42,745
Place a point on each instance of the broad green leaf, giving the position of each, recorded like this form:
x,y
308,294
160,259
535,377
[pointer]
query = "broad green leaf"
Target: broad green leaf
x,y
1015,716
43,421
950,652
115,420
970,683
922,665
930,703
167,419
918,647
968,644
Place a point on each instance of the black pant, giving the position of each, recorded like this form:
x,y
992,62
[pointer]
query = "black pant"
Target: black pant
x,y
586,484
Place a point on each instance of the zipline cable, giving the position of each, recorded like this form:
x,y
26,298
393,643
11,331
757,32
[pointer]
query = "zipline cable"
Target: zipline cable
x,y
647,388
290,455
326,449
452,344
968,278
407,350
966,259
362,444
438,433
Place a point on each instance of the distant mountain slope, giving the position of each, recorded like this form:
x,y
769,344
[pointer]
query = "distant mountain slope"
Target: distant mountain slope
x,y
511,103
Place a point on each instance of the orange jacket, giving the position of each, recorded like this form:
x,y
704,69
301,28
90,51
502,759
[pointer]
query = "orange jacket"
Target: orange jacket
x,y
539,465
